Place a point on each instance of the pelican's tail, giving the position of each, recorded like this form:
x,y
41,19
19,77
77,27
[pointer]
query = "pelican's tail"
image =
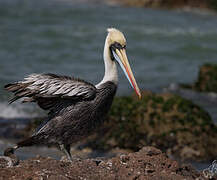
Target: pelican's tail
x,y
27,142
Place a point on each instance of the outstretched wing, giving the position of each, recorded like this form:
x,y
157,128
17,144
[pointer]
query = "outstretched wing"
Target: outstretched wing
x,y
49,89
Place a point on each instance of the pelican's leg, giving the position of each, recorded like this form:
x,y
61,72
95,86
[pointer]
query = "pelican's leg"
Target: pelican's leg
x,y
66,149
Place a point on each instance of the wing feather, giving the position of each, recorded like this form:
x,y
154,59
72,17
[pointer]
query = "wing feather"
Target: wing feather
x,y
48,89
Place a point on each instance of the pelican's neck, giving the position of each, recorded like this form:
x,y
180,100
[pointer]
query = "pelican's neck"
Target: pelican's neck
x,y
111,73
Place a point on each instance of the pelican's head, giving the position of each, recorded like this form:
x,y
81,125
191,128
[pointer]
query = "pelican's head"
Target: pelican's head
x,y
117,45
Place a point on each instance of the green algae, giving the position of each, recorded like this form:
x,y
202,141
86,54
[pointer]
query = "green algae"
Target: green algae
x,y
207,79
164,120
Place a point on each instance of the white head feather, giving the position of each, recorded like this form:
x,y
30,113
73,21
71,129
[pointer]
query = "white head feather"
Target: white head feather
x,y
111,74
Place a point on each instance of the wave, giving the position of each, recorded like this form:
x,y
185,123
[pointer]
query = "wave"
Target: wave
x,y
177,31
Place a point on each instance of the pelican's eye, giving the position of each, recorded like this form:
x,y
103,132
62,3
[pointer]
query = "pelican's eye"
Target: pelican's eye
x,y
115,46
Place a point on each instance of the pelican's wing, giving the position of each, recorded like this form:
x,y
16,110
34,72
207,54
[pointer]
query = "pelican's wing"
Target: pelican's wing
x,y
48,89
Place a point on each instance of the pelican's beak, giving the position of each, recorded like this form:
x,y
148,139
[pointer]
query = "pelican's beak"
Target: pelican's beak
x,y
121,56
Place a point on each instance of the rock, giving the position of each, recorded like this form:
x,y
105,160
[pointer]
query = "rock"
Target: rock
x,y
5,162
9,159
188,153
165,121
203,4
207,80
148,163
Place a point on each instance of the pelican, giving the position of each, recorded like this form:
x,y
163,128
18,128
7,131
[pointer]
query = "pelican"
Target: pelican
x,y
75,107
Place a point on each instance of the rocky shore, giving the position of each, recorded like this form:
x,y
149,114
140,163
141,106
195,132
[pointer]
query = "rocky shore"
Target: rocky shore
x,y
148,163
169,122
170,4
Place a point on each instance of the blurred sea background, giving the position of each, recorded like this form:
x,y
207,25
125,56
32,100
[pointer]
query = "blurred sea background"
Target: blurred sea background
x,y
164,47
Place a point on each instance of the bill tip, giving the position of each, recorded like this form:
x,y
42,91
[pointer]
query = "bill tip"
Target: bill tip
x,y
139,95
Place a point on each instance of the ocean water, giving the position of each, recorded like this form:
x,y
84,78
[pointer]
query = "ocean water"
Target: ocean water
x,y
67,37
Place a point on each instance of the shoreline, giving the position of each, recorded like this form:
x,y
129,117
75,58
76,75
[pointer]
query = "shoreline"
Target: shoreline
x,y
169,5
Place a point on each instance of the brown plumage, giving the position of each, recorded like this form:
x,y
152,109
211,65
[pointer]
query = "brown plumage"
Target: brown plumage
x,y
75,107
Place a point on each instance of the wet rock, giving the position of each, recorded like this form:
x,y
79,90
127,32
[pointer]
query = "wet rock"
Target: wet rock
x,y
207,80
203,4
139,165
166,121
